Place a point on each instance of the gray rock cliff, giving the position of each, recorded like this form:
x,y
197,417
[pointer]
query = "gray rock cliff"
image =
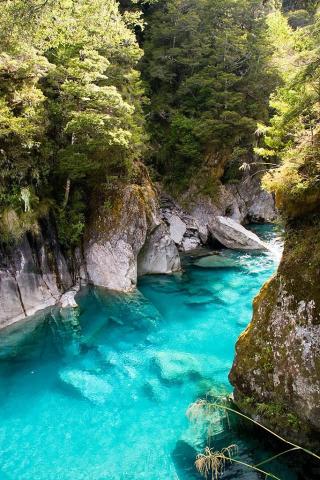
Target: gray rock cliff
x,y
33,275
276,371
130,240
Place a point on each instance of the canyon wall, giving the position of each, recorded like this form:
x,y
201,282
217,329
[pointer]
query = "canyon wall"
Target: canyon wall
x,y
276,372
141,233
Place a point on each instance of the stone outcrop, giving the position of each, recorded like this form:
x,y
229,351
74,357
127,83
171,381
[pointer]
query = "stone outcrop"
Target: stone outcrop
x,y
251,204
142,239
244,202
138,235
129,240
159,253
276,372
115,239
33,275
184,229
233,235
121,244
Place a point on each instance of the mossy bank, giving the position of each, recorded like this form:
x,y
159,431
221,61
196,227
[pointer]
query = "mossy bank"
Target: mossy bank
x,y
276,372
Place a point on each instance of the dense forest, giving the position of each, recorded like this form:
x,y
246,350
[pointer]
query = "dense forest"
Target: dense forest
x,y
71,109
200,90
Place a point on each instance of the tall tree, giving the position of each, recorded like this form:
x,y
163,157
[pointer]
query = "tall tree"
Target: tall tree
x,y
70,103
207,65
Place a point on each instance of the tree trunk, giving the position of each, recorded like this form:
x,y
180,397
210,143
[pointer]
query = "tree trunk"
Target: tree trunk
x,y
66,193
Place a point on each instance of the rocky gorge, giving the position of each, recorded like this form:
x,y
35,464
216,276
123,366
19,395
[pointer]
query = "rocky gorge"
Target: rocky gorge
x,y
145,233
159,194
142,234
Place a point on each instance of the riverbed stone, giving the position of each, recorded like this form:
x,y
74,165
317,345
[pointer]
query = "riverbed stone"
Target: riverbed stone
x,y
233,235
90,386
176,366
217,261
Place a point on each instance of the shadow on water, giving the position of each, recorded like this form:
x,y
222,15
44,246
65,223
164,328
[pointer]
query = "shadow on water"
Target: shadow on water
x,y
183,457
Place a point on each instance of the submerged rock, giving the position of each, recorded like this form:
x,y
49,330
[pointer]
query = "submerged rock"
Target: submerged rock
x,y
233,235
176,366
217,261
196,434
90,386
132,309
184,457
155,390
200,300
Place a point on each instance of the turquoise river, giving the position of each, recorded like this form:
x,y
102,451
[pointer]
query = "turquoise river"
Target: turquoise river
x,y
103,394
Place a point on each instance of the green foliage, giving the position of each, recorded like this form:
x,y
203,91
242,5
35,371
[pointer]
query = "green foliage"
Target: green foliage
x,y
293,135
14,223
208,71
280,414
70,103
71,221
73,105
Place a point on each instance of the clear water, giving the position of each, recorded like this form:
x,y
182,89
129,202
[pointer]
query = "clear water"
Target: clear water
x,y
103,396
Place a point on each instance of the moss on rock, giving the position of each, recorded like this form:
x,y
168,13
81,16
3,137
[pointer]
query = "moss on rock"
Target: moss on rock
x,y
277,357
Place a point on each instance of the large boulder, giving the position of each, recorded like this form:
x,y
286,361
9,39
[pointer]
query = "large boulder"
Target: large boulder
x,y
159,254
233,235
128,240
